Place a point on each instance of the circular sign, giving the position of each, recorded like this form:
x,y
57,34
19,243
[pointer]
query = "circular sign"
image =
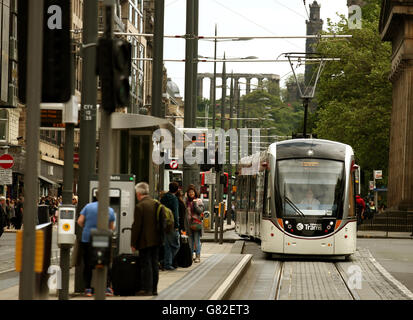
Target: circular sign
x,y
300,226
6,161
174,164
66,227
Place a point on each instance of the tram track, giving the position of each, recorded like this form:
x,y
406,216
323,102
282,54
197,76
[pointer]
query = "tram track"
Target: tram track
x,y
351,291
278,283
315,278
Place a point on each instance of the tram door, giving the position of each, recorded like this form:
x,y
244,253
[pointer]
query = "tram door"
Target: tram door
x,y
244,205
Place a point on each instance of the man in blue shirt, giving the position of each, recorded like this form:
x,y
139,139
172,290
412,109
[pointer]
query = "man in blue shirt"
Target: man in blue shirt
x,y
88,220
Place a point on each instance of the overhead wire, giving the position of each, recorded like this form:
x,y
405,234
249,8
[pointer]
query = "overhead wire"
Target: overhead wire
x,y
252,21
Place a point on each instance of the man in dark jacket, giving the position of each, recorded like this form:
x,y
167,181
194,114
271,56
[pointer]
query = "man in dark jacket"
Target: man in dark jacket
x,y
147,239
171,247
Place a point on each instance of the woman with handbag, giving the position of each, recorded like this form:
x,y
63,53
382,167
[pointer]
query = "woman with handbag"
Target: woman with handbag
x,y
195,210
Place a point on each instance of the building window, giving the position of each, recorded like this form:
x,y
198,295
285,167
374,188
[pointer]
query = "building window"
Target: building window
x,y
4,120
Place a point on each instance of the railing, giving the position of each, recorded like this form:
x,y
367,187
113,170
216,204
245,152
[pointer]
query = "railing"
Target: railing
x,y
389,221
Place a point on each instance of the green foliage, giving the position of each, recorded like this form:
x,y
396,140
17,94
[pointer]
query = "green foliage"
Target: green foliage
x,y
280,118
354,95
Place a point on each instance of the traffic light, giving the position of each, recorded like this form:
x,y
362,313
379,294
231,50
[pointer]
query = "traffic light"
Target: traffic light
x,y
208,154
57,56
122,54
114,69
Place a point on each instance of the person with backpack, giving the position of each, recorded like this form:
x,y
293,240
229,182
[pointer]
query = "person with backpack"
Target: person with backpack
x,y
171,246
372,209
147,238
195,210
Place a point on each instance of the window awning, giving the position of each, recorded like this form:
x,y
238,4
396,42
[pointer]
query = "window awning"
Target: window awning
x,y
135,121
53,183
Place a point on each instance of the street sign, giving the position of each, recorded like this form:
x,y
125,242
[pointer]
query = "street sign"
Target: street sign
x,y
6,177
210,178
378,174
174,164
6,161
371,185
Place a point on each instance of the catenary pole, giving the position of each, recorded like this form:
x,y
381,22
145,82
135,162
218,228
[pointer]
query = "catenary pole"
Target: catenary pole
x,y
188,106
104,163
213,101
67,193
31,192
87,145
157,75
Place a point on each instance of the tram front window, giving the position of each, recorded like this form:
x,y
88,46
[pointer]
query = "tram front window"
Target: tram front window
x,y
310,187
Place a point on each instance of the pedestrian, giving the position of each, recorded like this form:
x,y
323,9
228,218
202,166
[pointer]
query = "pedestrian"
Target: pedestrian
x,y
12,213
195,209
8,213
146,237
19,212
3,215
171,246
183,219
74,200
88,219
372,209
361,207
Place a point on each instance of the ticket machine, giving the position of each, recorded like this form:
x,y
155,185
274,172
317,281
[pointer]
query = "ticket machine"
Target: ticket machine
x,y
122,201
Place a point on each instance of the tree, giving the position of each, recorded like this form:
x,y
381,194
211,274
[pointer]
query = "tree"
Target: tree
x,y
354,95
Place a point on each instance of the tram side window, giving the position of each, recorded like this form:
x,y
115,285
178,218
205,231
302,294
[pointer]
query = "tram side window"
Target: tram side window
x,y
352,196
260,191
244,198
266,211
253,192
240,191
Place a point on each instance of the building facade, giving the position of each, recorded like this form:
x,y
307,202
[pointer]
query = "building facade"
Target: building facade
x,y
396,26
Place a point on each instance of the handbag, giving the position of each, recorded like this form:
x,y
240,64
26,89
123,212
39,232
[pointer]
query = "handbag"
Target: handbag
x,y
196,224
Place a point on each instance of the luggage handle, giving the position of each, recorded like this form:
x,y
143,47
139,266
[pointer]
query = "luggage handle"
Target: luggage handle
x,y
124,229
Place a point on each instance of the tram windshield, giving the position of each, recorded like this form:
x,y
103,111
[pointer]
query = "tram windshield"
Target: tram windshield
x,y
310,187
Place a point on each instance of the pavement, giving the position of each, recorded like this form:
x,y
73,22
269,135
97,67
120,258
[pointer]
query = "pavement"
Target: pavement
x,y
213,256
225,260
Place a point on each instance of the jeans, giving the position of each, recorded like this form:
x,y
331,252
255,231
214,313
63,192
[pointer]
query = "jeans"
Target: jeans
x,y
195,242
171,247
149,268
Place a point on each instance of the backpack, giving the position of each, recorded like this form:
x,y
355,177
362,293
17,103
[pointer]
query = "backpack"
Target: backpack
x,y
165,218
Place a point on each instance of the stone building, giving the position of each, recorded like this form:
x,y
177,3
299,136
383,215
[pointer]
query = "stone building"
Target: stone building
x,y
314,27
396,26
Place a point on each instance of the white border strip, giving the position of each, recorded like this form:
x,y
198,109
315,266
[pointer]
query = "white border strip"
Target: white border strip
x,y
390,278
220,292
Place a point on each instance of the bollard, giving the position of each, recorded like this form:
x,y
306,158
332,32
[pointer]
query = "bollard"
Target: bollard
x,y
221,222
43,250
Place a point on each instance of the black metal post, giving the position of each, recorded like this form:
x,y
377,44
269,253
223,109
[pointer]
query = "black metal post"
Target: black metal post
x,y
157,76
31,192
306,103
87,145
195,63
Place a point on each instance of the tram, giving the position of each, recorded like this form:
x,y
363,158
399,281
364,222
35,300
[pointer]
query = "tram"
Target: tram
x,y
298,198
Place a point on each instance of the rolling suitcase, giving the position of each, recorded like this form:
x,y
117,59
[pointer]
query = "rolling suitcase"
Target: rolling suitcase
x,y
126,275
184,255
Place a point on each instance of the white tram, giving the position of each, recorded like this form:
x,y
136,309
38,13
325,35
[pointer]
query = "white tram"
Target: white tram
x,y
298,197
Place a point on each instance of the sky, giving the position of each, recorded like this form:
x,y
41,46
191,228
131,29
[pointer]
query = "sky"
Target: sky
x,y
242,18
